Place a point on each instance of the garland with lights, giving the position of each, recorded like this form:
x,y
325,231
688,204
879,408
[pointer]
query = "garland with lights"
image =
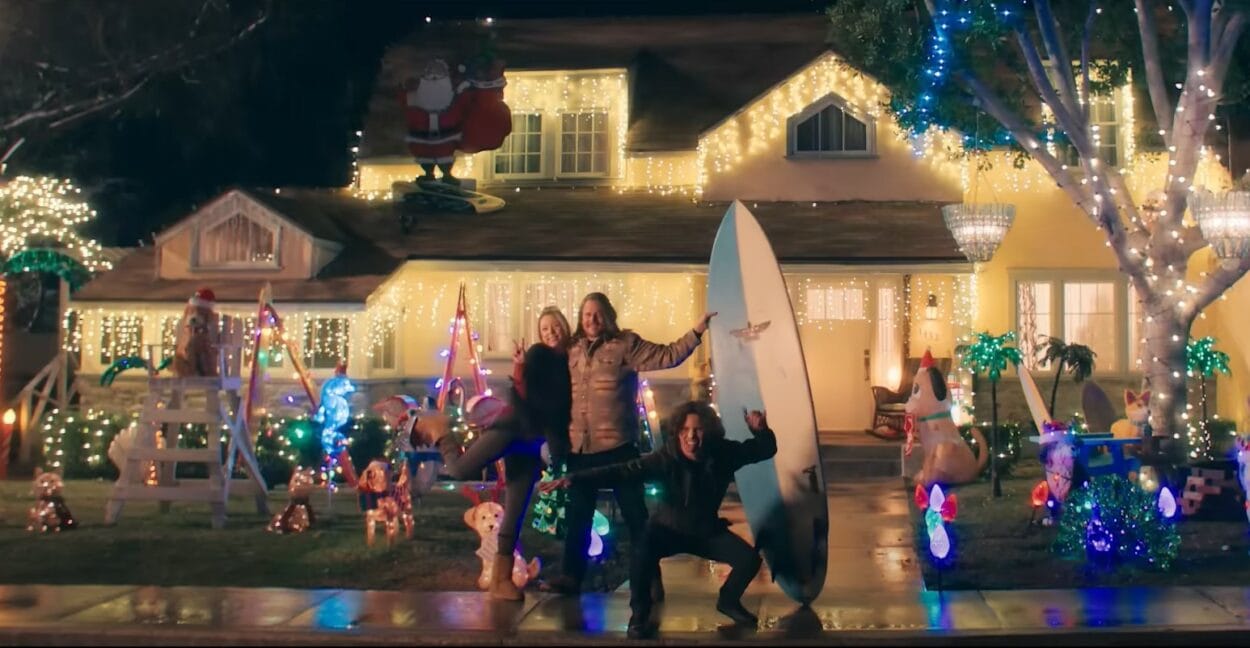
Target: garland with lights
x,y
51,261
1203,360
1111,521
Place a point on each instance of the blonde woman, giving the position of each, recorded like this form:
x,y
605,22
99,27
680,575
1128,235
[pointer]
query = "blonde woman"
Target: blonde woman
x,y
539,412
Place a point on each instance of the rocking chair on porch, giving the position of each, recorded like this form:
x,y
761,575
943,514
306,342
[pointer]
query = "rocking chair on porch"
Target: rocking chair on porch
x,y
887,420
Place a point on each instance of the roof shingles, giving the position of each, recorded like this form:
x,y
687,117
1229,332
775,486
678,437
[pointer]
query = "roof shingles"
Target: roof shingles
x,y
557,225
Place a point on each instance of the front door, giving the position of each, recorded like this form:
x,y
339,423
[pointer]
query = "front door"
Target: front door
x,y
836,332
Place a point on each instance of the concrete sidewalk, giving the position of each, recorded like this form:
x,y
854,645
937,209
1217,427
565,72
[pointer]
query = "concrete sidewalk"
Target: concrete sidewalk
x,y
116,615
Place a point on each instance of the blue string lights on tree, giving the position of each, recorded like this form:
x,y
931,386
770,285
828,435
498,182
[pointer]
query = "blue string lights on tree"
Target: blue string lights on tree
x,y
979,19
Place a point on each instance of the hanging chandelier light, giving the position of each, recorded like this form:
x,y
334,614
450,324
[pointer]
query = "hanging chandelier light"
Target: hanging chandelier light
x,y
1224,219
979,228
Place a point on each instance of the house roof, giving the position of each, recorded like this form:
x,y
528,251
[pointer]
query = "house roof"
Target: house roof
x,y
686,72
306,218
552,225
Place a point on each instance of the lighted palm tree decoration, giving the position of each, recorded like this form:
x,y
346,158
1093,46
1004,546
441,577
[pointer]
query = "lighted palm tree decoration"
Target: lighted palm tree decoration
x,y
1077,359
990,355
1203,360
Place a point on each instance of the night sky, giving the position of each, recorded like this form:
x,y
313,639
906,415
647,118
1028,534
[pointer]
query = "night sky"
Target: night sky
x,y
279,109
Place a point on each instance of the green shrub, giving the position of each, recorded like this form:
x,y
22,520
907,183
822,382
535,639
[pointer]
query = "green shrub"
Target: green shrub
x,y
76,443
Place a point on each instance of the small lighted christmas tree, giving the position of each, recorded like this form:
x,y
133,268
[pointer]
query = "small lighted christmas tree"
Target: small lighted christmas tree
x,y
549,508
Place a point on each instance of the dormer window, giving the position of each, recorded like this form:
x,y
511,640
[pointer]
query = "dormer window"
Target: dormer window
x,y
238,241
829,128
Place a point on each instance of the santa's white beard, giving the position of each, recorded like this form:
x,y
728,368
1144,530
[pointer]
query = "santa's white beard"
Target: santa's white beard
x,y
432,94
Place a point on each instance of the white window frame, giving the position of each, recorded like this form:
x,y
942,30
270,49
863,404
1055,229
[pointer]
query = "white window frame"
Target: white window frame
x,y
1058,278
559,147
275,229
543,148
792,125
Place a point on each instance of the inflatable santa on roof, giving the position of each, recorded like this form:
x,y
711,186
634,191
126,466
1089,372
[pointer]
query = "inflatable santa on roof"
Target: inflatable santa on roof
x,y
445,114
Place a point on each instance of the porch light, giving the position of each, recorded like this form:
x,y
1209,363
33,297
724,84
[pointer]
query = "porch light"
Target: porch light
x,y
1224,219
979,228
931,308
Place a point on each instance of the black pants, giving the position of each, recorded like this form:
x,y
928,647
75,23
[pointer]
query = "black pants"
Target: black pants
x,y
660,541
522,462
579,511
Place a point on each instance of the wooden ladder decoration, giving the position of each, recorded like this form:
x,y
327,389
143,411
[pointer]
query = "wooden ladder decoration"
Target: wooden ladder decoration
x,y
169,406
461,322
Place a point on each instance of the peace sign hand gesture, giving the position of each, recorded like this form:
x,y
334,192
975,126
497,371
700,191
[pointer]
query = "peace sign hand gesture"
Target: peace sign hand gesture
x,y
518,351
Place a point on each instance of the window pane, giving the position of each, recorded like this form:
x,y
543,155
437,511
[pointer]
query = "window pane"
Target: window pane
x,y
325,342
815,304
384,350
1136,347
1089,319
856,135
120,337
524,141
831,129
539,295
1032,319
806,137
498,333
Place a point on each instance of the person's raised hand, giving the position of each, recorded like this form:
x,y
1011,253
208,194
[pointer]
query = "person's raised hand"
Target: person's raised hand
x,y
756,420
701,326
518,351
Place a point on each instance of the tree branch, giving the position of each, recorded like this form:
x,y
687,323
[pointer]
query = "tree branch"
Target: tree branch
x,y
1071,122
1154,70
1222,50
1049,29
110,92
1023,134
1089,32
1216,283
1199,14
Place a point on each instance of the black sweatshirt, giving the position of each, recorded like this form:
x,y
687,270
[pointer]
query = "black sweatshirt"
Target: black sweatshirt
x,y
691,490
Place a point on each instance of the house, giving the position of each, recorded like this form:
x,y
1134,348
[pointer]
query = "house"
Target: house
x,y
630,138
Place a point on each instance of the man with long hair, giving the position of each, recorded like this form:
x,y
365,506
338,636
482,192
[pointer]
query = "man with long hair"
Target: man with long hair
x,y
694,467
604,362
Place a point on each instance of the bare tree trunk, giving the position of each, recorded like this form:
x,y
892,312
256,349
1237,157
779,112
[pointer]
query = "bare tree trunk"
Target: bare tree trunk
x,y
1166,335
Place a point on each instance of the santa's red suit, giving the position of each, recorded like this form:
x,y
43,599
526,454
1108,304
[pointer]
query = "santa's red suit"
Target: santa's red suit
x,y
443,118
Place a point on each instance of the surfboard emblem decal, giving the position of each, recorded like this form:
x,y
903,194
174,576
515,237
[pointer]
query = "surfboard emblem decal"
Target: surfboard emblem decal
x,y
751,332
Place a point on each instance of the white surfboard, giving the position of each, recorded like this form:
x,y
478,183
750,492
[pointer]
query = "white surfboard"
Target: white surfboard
x,y
758,363
1033,398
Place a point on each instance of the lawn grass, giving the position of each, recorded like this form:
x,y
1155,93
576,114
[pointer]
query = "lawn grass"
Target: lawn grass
x,y
996,549
181,548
